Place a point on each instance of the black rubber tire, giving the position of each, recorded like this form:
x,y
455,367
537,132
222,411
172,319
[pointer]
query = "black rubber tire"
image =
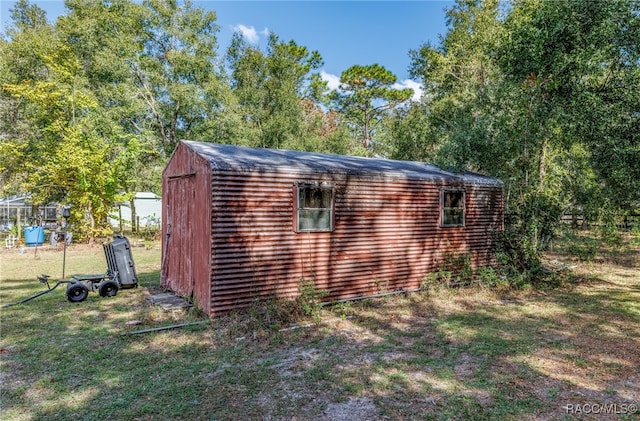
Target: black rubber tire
x,y
77,292
108,289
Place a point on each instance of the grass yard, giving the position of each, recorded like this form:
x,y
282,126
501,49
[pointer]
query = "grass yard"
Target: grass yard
x,y
567,352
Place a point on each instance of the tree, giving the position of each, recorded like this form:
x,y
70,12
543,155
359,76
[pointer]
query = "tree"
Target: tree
x,y
410,134
155,71
26,16
153,64
459,77
60,140
535,94
366,93
63,155
108,38
177,74
278,92
29,32
580,69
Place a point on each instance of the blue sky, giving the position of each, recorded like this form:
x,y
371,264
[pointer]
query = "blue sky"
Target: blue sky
x,y
343,32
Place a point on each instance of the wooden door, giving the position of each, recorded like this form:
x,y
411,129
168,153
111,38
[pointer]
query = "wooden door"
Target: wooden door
x,y
179,259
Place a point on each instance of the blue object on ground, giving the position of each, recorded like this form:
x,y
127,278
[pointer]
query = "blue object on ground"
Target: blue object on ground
x,y
33,235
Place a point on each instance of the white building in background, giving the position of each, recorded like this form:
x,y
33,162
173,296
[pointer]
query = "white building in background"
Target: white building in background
x,y
148,211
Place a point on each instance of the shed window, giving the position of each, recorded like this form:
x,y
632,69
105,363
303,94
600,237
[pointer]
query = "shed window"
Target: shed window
x,y
315,208
452,208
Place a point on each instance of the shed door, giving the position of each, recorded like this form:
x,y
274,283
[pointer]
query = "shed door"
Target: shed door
x,y
180,277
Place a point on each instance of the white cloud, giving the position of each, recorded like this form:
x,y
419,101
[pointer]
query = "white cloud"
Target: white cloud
x,y
333,81
408,83
250,33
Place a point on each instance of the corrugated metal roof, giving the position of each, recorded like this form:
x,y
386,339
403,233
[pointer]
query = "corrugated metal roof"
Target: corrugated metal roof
x,y
240,158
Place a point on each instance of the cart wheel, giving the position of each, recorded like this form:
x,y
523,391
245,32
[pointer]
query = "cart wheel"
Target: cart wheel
x,y
77,292
108,289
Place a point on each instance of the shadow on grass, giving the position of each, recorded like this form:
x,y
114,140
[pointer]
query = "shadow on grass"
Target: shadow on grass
x,y
496,361
25,287
12,291
149,279
71,361
431,357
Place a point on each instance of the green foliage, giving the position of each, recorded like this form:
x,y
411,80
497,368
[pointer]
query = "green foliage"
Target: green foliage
x,y
488,277
309,299
152,230
343,309
484,276
455,270
365,96
541,94
27,16
65,156
92,106
268,315
176,72
537,95
582,247
436,279
275,313
154,69
277,92
583,68
635,235
529,229
410,132
107,37
515,256
590,245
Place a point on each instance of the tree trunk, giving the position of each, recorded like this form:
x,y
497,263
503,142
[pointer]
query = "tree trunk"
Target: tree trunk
x,y
134,226
120,218
542,164
92,222
366,131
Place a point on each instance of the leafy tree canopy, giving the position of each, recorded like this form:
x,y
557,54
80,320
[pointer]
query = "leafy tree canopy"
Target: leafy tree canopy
x,y
366,93
543,95
277,92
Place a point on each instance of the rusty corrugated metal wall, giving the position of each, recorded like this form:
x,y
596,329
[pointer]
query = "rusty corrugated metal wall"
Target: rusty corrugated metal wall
x,y
387,236
229,236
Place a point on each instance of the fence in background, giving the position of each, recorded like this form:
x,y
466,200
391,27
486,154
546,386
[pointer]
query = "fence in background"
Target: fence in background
x,y
623,222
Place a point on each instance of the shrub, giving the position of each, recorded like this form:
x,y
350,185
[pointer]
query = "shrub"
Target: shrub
x,y
487,276
309,299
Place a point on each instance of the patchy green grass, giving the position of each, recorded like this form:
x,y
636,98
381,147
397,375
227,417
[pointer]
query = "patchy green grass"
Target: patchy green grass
x,y
466,353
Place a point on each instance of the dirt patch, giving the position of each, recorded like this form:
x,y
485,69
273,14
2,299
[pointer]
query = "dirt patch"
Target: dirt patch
x,y
294,361
466,367
355,409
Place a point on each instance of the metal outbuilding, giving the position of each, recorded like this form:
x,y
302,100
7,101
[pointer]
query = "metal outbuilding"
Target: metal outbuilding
x,y
241,224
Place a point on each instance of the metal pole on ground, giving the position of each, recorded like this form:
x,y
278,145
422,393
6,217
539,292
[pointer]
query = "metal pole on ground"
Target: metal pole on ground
x,y
65,214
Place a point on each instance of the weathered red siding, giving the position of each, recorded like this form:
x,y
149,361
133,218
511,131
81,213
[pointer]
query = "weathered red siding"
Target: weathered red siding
x,y
186,227
387,234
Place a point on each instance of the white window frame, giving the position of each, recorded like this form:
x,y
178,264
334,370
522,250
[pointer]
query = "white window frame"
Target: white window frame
x,y
301,209
443,209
